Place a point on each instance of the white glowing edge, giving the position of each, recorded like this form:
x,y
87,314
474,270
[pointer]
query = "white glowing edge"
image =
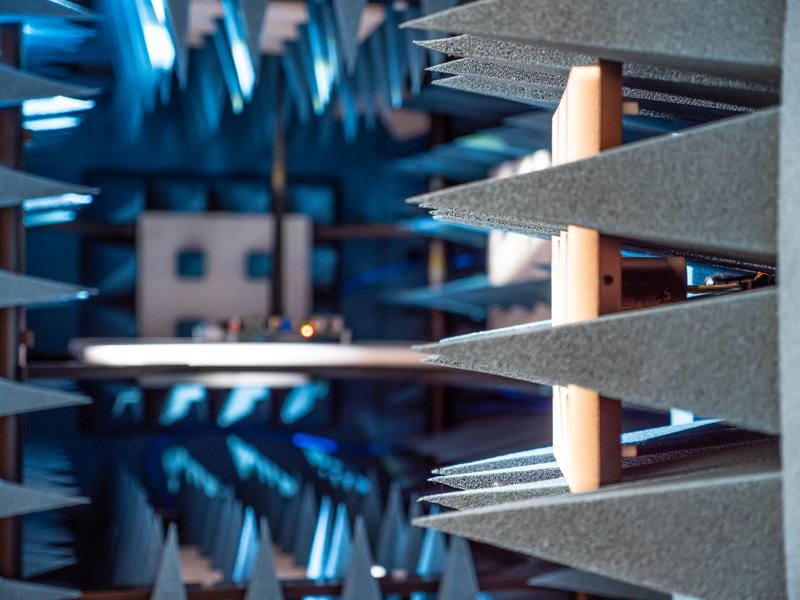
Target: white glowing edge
x,y
245,354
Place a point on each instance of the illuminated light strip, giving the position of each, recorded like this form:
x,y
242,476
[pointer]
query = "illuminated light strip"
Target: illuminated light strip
x,y
62,201
245,354
51,217
57,105
51,124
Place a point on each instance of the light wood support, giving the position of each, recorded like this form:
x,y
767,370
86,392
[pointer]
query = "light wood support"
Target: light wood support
x,y
587,280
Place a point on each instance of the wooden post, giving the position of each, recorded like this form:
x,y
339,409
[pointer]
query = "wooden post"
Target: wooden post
x,y
587,279
11,319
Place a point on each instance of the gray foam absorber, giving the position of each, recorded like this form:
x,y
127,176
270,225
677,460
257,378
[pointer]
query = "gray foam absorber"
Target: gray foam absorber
x,y
254,13
459,581
359,584
500,477
541,97
696,85
573,580
493,496
179,23
17,186
16,500
340,546
168,585
21,590
414,540
717,538
668,102
742,40
306,522
393,534
62,9
17,86
789,292
264,582
646,440
693,355
348,19
433,554
24,290
667,198
16,398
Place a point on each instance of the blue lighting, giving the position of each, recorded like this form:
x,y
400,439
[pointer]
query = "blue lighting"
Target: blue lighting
x,y
335,470
302,400
61,201
177,461
240,91
240,404
316,562
179,402
51,123
339,545
126,398
157,39
50,217
249,461
57,105
247,550
304,440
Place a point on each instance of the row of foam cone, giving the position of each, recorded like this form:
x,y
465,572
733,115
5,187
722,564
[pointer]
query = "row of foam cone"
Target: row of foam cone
x,y
706,524
19,290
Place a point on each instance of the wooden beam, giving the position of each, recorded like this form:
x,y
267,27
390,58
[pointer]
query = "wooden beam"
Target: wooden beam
x,y
587,279
11,319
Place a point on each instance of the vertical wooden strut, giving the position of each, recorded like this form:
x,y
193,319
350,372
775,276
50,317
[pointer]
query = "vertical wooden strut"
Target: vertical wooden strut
x,y
587,279
11,319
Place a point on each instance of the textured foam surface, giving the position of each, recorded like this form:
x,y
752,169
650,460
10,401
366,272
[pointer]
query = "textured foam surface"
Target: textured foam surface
x,y
654,439
488,488
16,187
459,581
20,590
263,582
500,477
696,85
538,95
648,99
491,496
168,584
16,398
17,86
590,583
676,192
742,40
23,290
348,18
543,97
16,499
704,458
515,459
64,9
719,537
694,355
789,256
